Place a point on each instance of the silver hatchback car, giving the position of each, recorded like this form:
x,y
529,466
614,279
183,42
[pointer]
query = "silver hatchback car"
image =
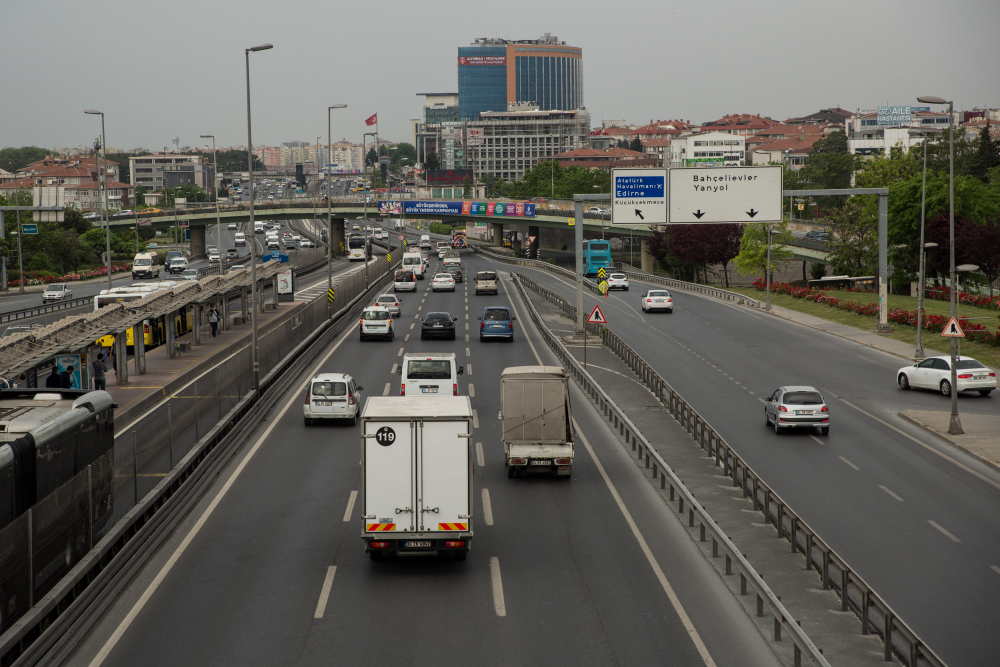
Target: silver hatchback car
x,y
797,407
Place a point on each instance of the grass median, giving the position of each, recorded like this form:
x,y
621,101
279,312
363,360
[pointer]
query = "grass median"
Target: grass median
x,y
933,343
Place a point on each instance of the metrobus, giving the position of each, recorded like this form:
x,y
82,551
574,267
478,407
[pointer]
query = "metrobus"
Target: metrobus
x,y
596,254
153,332
359,249
50,438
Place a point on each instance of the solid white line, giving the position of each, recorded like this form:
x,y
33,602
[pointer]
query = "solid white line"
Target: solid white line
x,y
949,535
479,454
385,392
667,588
324,593
849,463
487,508
890,493
350,505
472,390
923,444
165,570
498,603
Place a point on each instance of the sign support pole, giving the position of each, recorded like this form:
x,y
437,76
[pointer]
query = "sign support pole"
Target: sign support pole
x,y
767,268
578,247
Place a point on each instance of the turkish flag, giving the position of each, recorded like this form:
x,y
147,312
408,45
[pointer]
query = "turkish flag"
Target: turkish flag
x,y
372,120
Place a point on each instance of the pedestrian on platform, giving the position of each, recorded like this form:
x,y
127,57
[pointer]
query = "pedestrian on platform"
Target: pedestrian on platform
x,y
100,368
213,319
53,381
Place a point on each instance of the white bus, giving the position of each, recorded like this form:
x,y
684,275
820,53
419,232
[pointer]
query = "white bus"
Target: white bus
x,y
358,249
258,227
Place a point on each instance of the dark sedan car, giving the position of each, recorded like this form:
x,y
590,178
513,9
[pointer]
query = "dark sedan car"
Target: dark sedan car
x,y
437,325
455,272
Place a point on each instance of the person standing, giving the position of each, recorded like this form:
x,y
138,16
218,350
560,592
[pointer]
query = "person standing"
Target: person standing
x,y
100,368
67,378
53,381
213,319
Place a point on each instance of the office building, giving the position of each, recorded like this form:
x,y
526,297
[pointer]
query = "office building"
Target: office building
x,y
496,73
148,170
708,149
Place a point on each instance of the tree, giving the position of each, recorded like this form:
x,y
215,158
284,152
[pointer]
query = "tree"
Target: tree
x,y
983,243
829,165
140,196
371,158
854,243
699,246
14,159
986,156
635,145
752,258
432,161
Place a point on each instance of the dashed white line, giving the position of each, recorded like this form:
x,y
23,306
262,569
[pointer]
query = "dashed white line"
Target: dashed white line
x,y
479,455
817,439
350,505
946,533
468,352
468,369
472,390
487,508
394,367
324,594
890,493
400,353
475,418
849,463
466,338
498,603
995,568
385,392
413,325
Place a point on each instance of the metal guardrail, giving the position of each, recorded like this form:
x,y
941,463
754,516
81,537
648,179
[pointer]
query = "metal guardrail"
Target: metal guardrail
x,y
877,617
634,273
45,309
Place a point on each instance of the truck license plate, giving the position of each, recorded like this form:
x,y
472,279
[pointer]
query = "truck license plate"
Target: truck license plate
x,y
541,463
417,543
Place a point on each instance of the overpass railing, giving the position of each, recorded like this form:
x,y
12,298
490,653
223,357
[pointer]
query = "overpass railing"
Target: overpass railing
x,y
856,595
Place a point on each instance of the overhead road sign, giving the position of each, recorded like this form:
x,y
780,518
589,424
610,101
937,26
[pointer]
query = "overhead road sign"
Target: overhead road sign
x,y
725,194
639,196
597,316
953,329
29,229
276,256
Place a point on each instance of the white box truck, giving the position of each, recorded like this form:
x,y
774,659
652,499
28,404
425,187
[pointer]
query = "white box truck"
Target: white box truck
x,y
417,476
537,420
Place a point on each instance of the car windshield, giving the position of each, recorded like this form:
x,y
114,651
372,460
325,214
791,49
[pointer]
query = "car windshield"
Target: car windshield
x,y
496,315
190,274
486,275
659,294
966,364
142,262
376,315
420,369
55,288
803,398
329,389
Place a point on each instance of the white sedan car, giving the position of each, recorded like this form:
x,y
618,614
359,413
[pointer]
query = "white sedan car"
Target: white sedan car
x,y
443,281
935,373
657,299
617,281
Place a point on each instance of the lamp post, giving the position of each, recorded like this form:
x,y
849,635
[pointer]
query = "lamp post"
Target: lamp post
x,y
954,424
253,246
329,209
919,354
104,189
215,190
365,229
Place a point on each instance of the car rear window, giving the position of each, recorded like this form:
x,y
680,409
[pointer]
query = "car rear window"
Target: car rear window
x,y
802,398
659,294
486,275
404,276
618,276
496,315
420,369
376,315
438,316
387,299
329,389
966,364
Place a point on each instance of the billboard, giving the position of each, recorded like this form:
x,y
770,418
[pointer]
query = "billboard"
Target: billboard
x,y
448,176
474,137
482,60
894,115
389,207
492,209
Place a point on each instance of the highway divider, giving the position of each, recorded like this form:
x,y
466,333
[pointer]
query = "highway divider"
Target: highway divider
x,y
160,475
876,616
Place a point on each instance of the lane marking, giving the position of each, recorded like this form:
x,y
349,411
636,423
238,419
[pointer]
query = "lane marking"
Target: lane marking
x,y
498,603
324,594
385,392
472,390
394,367
479,455
475,418
891,493
487,508
116,636
406,338
413,325
350,505
468,369
466,335
947,534
468,352
849,463
995,568
817,439
667,588
924,445
400,353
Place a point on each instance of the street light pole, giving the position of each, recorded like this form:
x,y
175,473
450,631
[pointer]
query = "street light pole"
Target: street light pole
x,y
365,229
329,209
102,182
253,246
215,190
919,353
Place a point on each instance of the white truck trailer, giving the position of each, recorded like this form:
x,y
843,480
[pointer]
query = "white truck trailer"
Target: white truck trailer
x,y
417,469
537,420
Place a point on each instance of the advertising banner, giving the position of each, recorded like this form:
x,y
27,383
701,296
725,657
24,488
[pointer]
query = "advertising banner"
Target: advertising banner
x,y
66,361
448,176
389,207
894,115
285,282
505,209
482,60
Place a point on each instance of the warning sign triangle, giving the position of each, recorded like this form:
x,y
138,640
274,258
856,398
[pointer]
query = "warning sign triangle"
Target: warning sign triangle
x,y
953,329
596,316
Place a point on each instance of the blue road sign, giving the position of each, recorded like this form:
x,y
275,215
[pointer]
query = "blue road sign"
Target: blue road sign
x,y
276,256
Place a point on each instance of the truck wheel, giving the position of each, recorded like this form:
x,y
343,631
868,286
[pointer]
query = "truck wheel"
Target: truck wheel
x,y
461,555
375,555
510,472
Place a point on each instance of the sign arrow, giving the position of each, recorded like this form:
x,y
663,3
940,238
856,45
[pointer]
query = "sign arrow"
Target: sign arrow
x,y
752,212
698,214
639,213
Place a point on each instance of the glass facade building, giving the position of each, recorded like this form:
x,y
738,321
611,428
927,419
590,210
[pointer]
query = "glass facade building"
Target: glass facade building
x,y
496,73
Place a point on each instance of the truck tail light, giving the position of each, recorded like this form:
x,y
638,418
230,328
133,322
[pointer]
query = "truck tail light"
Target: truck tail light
x,y
402,389
454,390
564,462
454,543
378,545
518,462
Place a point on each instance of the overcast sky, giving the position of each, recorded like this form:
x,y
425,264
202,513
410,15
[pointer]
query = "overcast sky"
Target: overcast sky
x,y
163,69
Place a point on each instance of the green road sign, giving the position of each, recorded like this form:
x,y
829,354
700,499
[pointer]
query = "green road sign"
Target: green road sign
x,y
29,229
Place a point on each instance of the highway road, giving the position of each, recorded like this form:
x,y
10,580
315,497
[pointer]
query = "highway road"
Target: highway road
x,y
270,568
915,518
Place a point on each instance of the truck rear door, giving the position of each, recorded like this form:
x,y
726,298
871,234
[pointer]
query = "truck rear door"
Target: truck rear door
x,y
389,476
444,477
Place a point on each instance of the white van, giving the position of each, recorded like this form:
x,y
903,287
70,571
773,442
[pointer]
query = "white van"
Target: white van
x,y
430,374
414,261
258,227
272,241
332,396
146,265
425,241
177,264
241,238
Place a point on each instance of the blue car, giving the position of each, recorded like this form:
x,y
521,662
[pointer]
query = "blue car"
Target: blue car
x,y
496,322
